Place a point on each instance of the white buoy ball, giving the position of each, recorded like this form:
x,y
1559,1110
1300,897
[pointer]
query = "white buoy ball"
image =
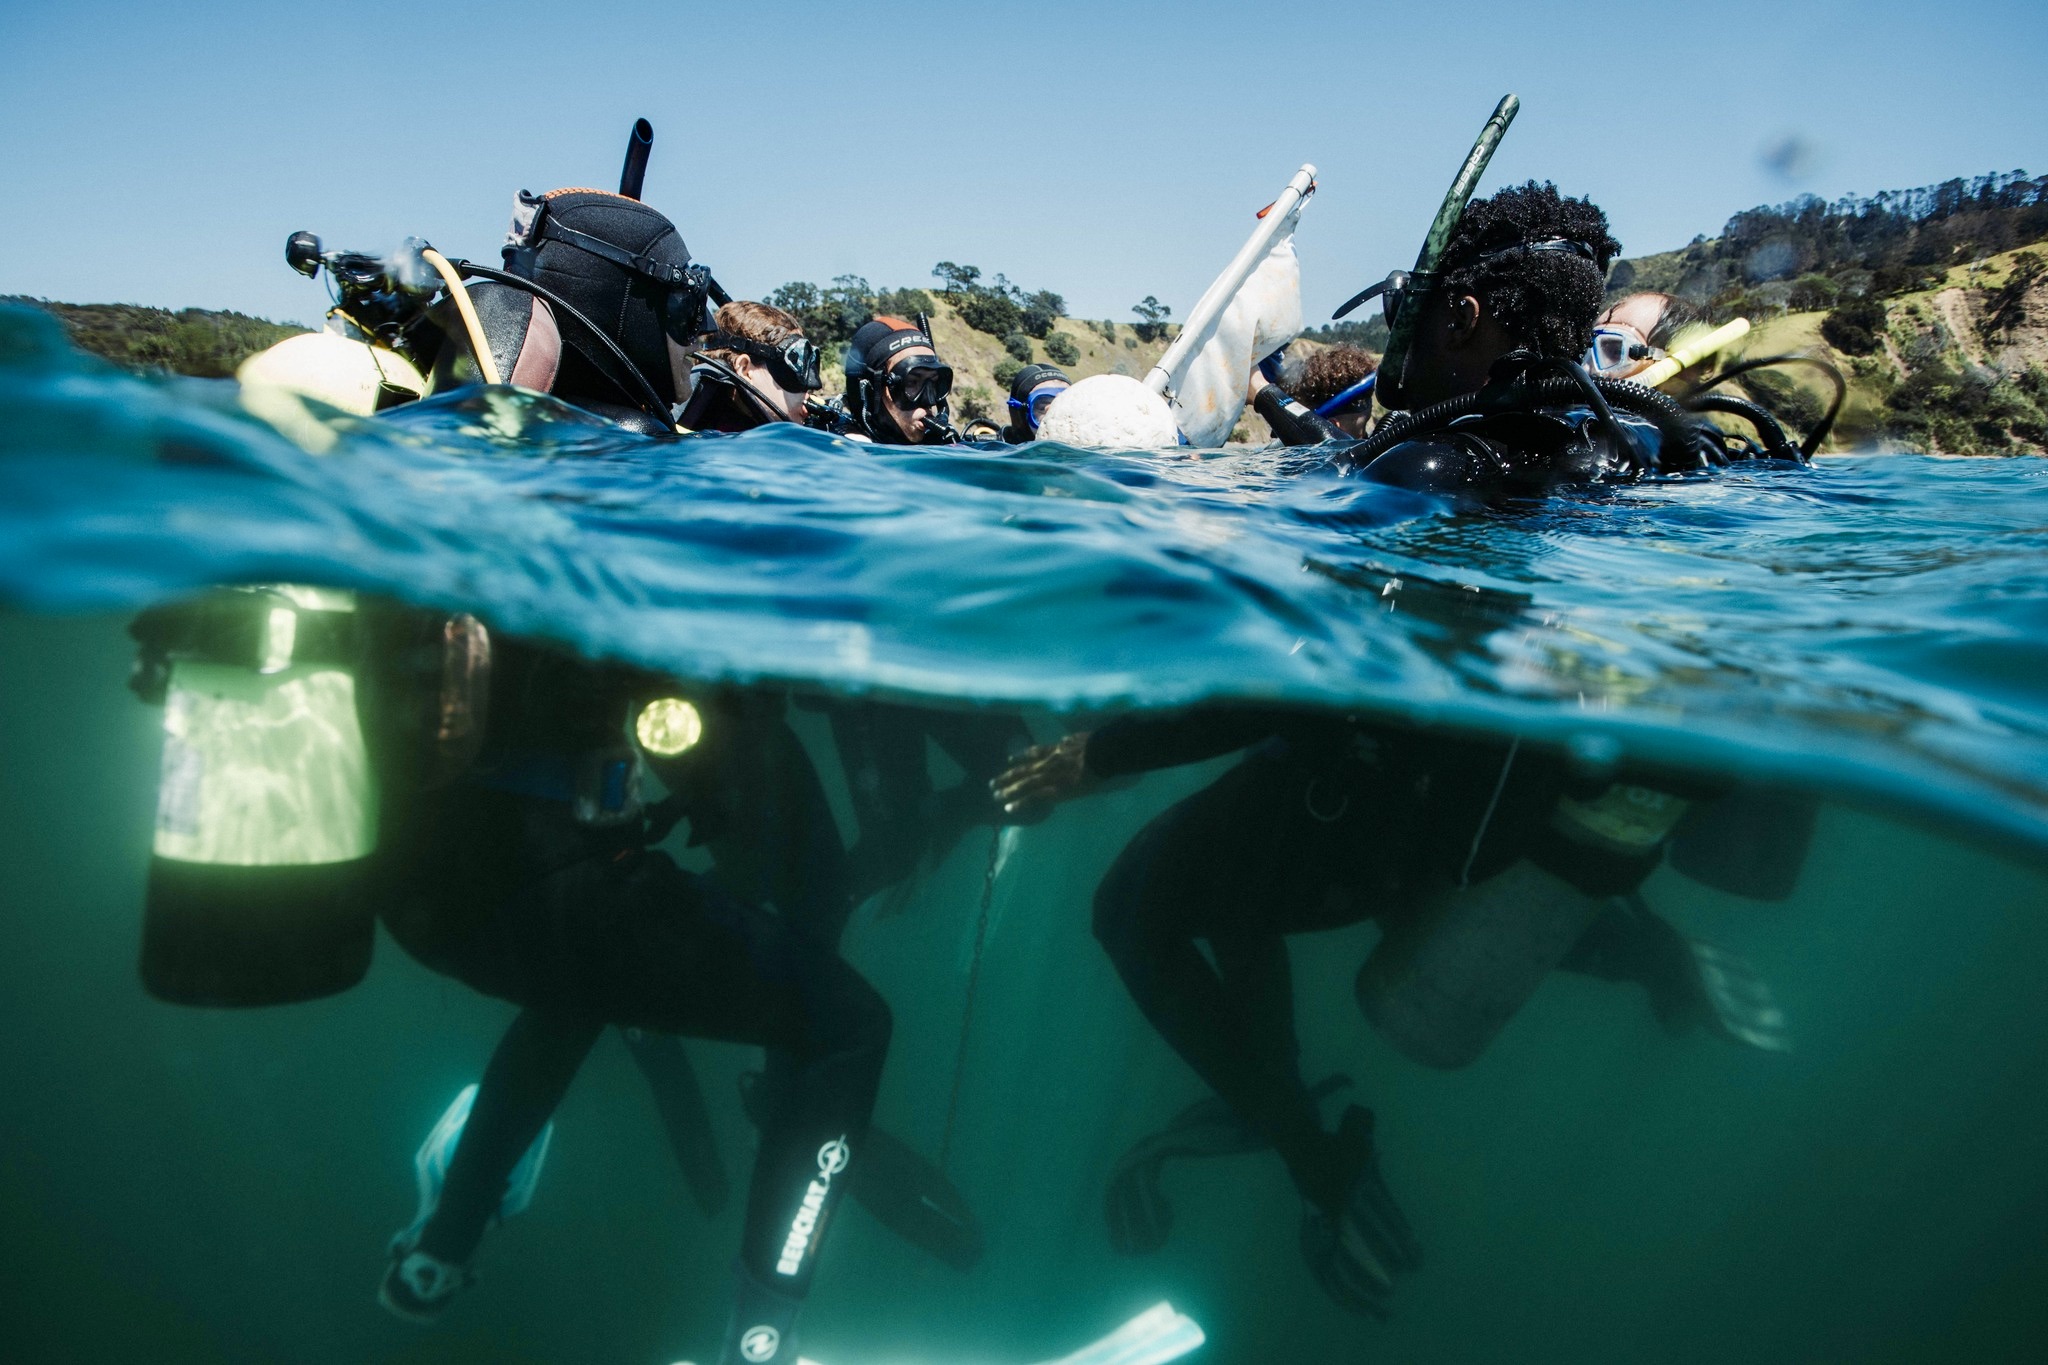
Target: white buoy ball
x,y
1114,411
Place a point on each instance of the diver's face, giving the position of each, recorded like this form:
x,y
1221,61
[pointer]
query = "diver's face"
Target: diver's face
x,y
909,421
762,380
1641,312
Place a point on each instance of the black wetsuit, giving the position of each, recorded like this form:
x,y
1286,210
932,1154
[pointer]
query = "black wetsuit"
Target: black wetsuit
x,y
1326,822
495,880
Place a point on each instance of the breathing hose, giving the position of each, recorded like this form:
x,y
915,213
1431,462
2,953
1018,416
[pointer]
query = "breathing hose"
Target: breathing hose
x,y
1813,440
1777,442
459,292
1671,420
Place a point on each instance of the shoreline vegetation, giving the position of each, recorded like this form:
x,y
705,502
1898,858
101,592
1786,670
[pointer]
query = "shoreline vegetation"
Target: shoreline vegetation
x,y
1932,302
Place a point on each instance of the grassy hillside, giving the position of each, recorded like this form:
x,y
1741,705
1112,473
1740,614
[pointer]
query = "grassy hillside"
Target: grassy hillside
x,y
194,341
1959,367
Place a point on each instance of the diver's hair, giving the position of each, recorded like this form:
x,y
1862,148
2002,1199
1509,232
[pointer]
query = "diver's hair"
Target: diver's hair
x,y
1545,300
1329,373
762,322
1678,314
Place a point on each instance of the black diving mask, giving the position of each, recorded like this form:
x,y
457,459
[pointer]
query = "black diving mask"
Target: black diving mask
x,y
794,361
920,381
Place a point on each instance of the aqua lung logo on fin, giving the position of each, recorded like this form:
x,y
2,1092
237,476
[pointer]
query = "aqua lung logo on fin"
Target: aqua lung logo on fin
x,y
760,1343
832,1159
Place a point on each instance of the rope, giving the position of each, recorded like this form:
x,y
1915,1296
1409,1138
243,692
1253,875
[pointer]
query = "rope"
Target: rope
x,y
988,893
1472,854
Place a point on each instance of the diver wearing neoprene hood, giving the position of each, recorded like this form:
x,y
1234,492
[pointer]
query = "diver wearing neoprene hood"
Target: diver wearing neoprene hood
x,y
896,385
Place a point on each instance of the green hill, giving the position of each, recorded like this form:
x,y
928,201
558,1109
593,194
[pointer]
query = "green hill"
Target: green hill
x,y
194,341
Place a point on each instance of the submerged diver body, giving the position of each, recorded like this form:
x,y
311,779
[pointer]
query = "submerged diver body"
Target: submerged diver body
x,y
532,878
1486,863
752,797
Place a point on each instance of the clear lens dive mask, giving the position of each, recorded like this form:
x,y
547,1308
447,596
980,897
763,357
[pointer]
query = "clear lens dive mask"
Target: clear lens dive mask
x,y
1618,351
1032,407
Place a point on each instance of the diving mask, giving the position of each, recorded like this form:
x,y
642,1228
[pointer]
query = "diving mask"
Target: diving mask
x,y
1619,351
920,381
1033,405
793,361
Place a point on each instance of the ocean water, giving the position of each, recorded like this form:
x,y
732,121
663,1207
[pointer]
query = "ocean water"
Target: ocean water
x,y
185,1185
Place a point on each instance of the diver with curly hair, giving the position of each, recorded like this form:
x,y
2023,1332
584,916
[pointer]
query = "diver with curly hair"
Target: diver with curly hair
x,y
1487,863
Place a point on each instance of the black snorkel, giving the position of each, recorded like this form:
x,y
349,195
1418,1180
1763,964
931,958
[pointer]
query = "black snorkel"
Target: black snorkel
x,y
1423,282
939,419
638,145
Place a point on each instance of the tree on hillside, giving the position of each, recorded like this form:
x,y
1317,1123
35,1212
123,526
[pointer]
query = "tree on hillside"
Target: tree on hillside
x,y
1152,316
1855,326
1041,311
956,279
1061,350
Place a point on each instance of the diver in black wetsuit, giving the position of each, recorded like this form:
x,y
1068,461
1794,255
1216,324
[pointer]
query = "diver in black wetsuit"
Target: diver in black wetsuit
x,y
1486,863
531,878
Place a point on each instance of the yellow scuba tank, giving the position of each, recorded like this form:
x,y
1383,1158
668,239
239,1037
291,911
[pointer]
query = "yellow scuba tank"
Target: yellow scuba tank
x,y
266,808
336,368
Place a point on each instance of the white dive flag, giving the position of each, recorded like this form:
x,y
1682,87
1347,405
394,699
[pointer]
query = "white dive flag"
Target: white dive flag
x,y
1263,316
1155,1336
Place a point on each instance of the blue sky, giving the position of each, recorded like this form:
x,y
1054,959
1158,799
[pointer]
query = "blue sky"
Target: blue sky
x,y
160,153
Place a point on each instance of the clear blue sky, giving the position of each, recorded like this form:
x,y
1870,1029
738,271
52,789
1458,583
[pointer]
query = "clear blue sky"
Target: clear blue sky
x,y
161,153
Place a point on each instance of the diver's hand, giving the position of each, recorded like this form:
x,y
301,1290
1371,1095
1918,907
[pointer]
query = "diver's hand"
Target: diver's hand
x,y
1043,777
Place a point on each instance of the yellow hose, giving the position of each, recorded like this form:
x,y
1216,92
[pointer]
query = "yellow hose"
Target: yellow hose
x,y
459,291
1686,357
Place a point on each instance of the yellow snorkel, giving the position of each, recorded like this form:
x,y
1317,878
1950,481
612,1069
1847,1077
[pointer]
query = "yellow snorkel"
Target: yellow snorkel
x,y
1681,358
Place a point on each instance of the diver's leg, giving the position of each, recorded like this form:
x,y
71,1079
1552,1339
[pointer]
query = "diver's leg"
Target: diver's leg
x,y
1233,863
528,1074
651,946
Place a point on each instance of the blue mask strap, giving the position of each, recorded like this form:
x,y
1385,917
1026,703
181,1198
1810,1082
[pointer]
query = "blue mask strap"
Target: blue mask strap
x,y
1349,396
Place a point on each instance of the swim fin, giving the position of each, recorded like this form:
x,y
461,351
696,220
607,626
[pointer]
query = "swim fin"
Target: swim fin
x,y
1139,1215
430,1166
1737,1004
1156,1336
686,1118
1355,1249
1751,842
901,1188
909,1195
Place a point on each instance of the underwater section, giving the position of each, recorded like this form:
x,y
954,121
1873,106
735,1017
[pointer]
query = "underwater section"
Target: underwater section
x,y
1799,715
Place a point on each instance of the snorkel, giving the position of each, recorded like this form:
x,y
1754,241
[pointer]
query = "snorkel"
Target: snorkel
x,y
1424,281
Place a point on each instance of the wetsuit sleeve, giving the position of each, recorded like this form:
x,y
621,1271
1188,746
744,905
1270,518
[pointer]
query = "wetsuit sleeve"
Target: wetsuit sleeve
x,y
1293,423
1143,741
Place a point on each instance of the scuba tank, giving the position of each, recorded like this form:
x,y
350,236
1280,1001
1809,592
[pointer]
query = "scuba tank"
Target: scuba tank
x,y
266,808
1441,988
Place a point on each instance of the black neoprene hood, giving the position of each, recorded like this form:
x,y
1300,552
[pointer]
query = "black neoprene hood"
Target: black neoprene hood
x,y
628,305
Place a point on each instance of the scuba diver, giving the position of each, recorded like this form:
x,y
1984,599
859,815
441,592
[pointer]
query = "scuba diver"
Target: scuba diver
x,y
531,876
1032,389
598,305
896,385
755,368
1487,863
1637,331
1332,399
